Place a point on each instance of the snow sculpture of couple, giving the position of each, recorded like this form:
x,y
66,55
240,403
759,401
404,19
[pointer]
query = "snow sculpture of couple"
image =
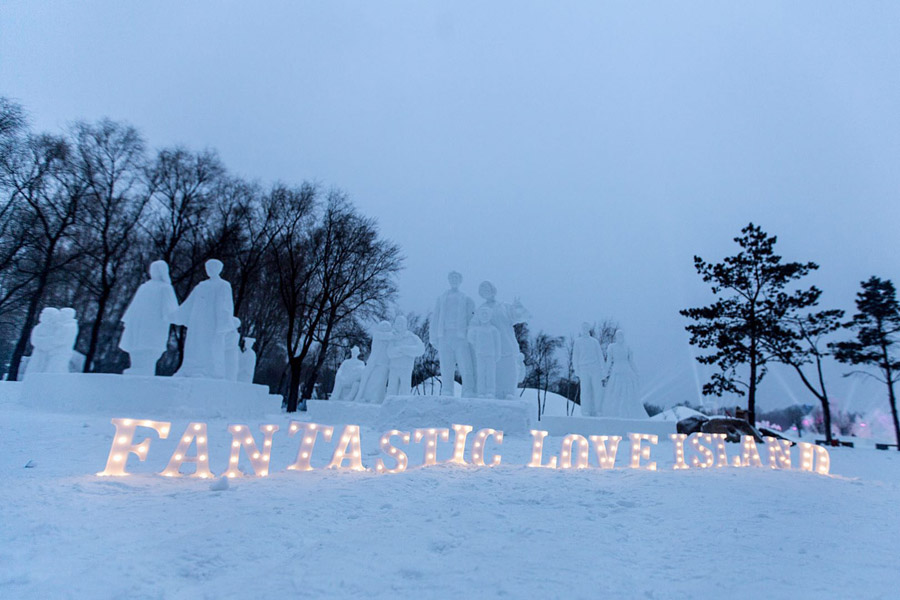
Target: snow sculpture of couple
x,y
609,386
393,352
211,346
481,344
53,339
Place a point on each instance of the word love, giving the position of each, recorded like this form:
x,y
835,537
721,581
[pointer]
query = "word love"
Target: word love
x,y
708,450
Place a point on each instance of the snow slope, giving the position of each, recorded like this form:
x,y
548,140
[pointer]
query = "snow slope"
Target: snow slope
x,y
432,532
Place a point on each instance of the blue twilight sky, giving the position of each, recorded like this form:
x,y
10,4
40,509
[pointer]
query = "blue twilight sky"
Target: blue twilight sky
x,y
575,153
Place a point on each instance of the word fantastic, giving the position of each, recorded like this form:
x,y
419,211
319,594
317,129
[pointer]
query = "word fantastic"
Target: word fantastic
x,y
709,449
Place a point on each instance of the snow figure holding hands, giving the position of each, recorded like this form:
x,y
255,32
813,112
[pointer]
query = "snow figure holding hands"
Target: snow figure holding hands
x,y
247,364
348,376
590,367
373,383
402,352
452,313
503,317
146,320
44,337
208,314
485,341
622,384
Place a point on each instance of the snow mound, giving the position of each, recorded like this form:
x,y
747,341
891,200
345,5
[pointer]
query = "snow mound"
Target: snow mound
x,y
676,413
411,412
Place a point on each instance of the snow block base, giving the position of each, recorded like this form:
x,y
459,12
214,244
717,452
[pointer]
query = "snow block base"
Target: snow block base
x,y
410,412
604,426
141,397
341,412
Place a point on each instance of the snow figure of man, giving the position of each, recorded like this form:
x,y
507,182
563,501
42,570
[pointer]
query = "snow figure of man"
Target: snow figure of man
x,y
621,398
44,338
485,341
233,352
503,317
348,376
452,313
373,383
590,367
402,351
208,314
146,320
247,363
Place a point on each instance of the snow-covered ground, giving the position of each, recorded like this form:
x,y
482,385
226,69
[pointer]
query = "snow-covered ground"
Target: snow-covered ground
x,y
441,531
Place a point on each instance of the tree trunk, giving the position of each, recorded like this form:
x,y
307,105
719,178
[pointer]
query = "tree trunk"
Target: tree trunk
x,y
25,334
893,400
294,385
751,393
826,414
95,329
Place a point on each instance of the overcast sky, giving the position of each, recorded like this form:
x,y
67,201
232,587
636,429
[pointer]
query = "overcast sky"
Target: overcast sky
x,y
577,154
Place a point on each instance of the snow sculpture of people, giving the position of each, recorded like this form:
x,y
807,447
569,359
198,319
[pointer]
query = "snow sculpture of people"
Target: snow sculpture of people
x,y
590,367
485,340
403,350
504,317
452,313
373,383
208,314
621,397
67,333
247,364
44,338
233,352
146,320
348,376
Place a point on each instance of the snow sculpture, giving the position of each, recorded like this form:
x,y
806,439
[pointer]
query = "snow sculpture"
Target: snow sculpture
x,y
146,321
521,369
208,314
449,324
503,317
403,350
247,361
373,383
60,354
589,363
44,338
485,341
233,351
621,395
348,376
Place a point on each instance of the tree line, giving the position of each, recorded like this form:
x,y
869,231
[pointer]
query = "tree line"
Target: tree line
x,y
762,314
84,212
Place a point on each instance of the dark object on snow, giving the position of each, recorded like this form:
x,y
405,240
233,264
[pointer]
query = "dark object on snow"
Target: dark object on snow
x,y
777,435
884,446
834,442
731,427
30,464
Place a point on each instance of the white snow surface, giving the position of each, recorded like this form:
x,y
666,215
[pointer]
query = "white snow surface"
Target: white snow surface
x,y
431,532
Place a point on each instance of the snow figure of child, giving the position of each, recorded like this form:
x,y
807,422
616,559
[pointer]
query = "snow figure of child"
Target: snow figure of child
x,y
348,376
44,337
504,317
233,352
247,363
146,320
403,350
208,314
621,398
66,334
590,368
452,313
485,340
373,383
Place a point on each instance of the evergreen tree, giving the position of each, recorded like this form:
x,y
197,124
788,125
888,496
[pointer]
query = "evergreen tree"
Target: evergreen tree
x,y
747,320
876,325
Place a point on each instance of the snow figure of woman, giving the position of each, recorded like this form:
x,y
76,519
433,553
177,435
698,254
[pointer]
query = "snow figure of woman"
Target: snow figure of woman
x,y
208,314
373,383
504,317
247,364
348,376
44,338
621,396
403,350
590,366
484,338
146,320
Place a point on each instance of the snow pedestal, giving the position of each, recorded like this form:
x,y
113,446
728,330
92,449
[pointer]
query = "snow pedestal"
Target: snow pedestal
x,y
137,396
604,426
342,412
411,412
